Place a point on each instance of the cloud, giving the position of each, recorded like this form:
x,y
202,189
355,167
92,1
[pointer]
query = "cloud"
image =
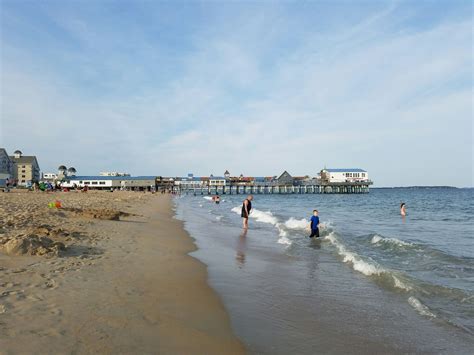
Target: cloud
x,y
256,98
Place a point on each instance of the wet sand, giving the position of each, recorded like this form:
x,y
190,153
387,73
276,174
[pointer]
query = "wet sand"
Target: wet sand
x,y
102,284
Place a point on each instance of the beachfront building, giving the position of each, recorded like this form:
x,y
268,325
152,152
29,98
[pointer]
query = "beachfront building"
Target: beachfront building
x,y
113,173
6,165
217,181
49,177
189,182
285,179
344,175
140,183
26,169
164,183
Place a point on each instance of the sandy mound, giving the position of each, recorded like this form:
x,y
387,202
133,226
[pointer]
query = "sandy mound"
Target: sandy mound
x,y
108,214
30,244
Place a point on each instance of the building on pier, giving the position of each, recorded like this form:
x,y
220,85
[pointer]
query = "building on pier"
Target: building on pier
x,y
344,175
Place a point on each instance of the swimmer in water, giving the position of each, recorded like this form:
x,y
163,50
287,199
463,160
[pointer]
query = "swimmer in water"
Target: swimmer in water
x,y
403,211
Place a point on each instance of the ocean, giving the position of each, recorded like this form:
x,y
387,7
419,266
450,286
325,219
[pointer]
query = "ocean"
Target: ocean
x,y
374,281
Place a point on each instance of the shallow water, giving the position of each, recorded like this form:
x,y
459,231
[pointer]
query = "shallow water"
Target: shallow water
x,y
408,281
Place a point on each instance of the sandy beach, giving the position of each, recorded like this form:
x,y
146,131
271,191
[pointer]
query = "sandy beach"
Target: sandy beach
x,y
105,273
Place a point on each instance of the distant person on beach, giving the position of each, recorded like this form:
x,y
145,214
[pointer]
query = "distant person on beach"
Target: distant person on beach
x,y
314,224
403,211
246,208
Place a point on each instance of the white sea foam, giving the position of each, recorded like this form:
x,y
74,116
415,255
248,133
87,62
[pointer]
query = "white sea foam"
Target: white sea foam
x,y
294,223
284,240
209,198
357,263
376,239
219,217
281,231
259,216
400,284
420,307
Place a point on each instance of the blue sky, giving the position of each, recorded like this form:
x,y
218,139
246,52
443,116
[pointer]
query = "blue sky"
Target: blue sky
x,y
174,87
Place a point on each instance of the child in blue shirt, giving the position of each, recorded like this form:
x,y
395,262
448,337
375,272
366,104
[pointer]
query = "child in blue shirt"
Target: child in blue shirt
x,y
314,224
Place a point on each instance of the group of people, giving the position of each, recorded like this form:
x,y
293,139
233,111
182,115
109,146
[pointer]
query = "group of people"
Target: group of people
x,y
247,207
314,220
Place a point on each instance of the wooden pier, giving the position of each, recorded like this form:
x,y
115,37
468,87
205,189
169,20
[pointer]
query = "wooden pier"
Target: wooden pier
x,y
326,188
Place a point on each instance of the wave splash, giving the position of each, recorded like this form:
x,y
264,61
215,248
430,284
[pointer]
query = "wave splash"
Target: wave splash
x,y
377,239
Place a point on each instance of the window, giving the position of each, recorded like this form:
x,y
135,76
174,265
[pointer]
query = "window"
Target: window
x,y
23,166
80,182
23,176
102,183
86,182
94,182
23,171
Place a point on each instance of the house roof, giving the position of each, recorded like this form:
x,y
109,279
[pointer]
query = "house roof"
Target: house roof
x,y
283,173
24,159
111,178
350,170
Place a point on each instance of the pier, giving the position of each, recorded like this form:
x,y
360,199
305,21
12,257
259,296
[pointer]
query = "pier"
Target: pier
x,y
324,188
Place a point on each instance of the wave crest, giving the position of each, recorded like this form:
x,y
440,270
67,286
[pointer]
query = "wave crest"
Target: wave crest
x,y
294,223
377,239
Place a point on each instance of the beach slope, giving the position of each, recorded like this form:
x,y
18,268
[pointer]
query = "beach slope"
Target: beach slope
x,y
120,286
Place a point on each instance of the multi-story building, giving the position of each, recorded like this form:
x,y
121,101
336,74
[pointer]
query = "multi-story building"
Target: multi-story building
x,y
6,165
26,169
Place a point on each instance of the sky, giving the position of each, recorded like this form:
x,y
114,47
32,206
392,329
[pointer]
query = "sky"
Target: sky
x,y
256,87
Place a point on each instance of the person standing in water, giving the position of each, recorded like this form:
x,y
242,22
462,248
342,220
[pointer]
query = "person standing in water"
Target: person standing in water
x,y
246,208
403,211
314,224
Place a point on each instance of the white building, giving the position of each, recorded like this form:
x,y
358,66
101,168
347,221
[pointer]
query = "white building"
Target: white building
x,y
189,183
217,181
50,176
107,182
344,175
113,173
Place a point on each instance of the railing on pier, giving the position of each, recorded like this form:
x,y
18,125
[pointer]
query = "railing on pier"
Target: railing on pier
x,y
358,187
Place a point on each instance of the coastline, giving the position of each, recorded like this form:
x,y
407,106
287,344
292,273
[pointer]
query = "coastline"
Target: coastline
x,y
123,286
303,297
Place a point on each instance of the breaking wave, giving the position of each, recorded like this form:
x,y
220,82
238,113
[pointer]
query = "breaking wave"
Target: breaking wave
x,y
420,307
355,260
294,223
377,239
259,216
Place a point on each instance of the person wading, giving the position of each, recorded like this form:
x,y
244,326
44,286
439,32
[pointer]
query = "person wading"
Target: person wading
x,y
246,208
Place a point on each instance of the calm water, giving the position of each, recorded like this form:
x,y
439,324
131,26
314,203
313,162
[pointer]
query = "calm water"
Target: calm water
x,y
400,284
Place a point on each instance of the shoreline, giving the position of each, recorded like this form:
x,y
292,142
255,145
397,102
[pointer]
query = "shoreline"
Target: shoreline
x,y
304,297
125,285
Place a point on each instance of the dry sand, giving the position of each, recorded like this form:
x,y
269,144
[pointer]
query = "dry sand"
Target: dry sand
x,y
107,273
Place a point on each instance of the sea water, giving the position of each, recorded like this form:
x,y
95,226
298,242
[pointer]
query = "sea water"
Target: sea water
x,y
370,264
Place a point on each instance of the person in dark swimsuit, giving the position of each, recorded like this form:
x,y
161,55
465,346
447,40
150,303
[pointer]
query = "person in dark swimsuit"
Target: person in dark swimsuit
x,y
246,208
